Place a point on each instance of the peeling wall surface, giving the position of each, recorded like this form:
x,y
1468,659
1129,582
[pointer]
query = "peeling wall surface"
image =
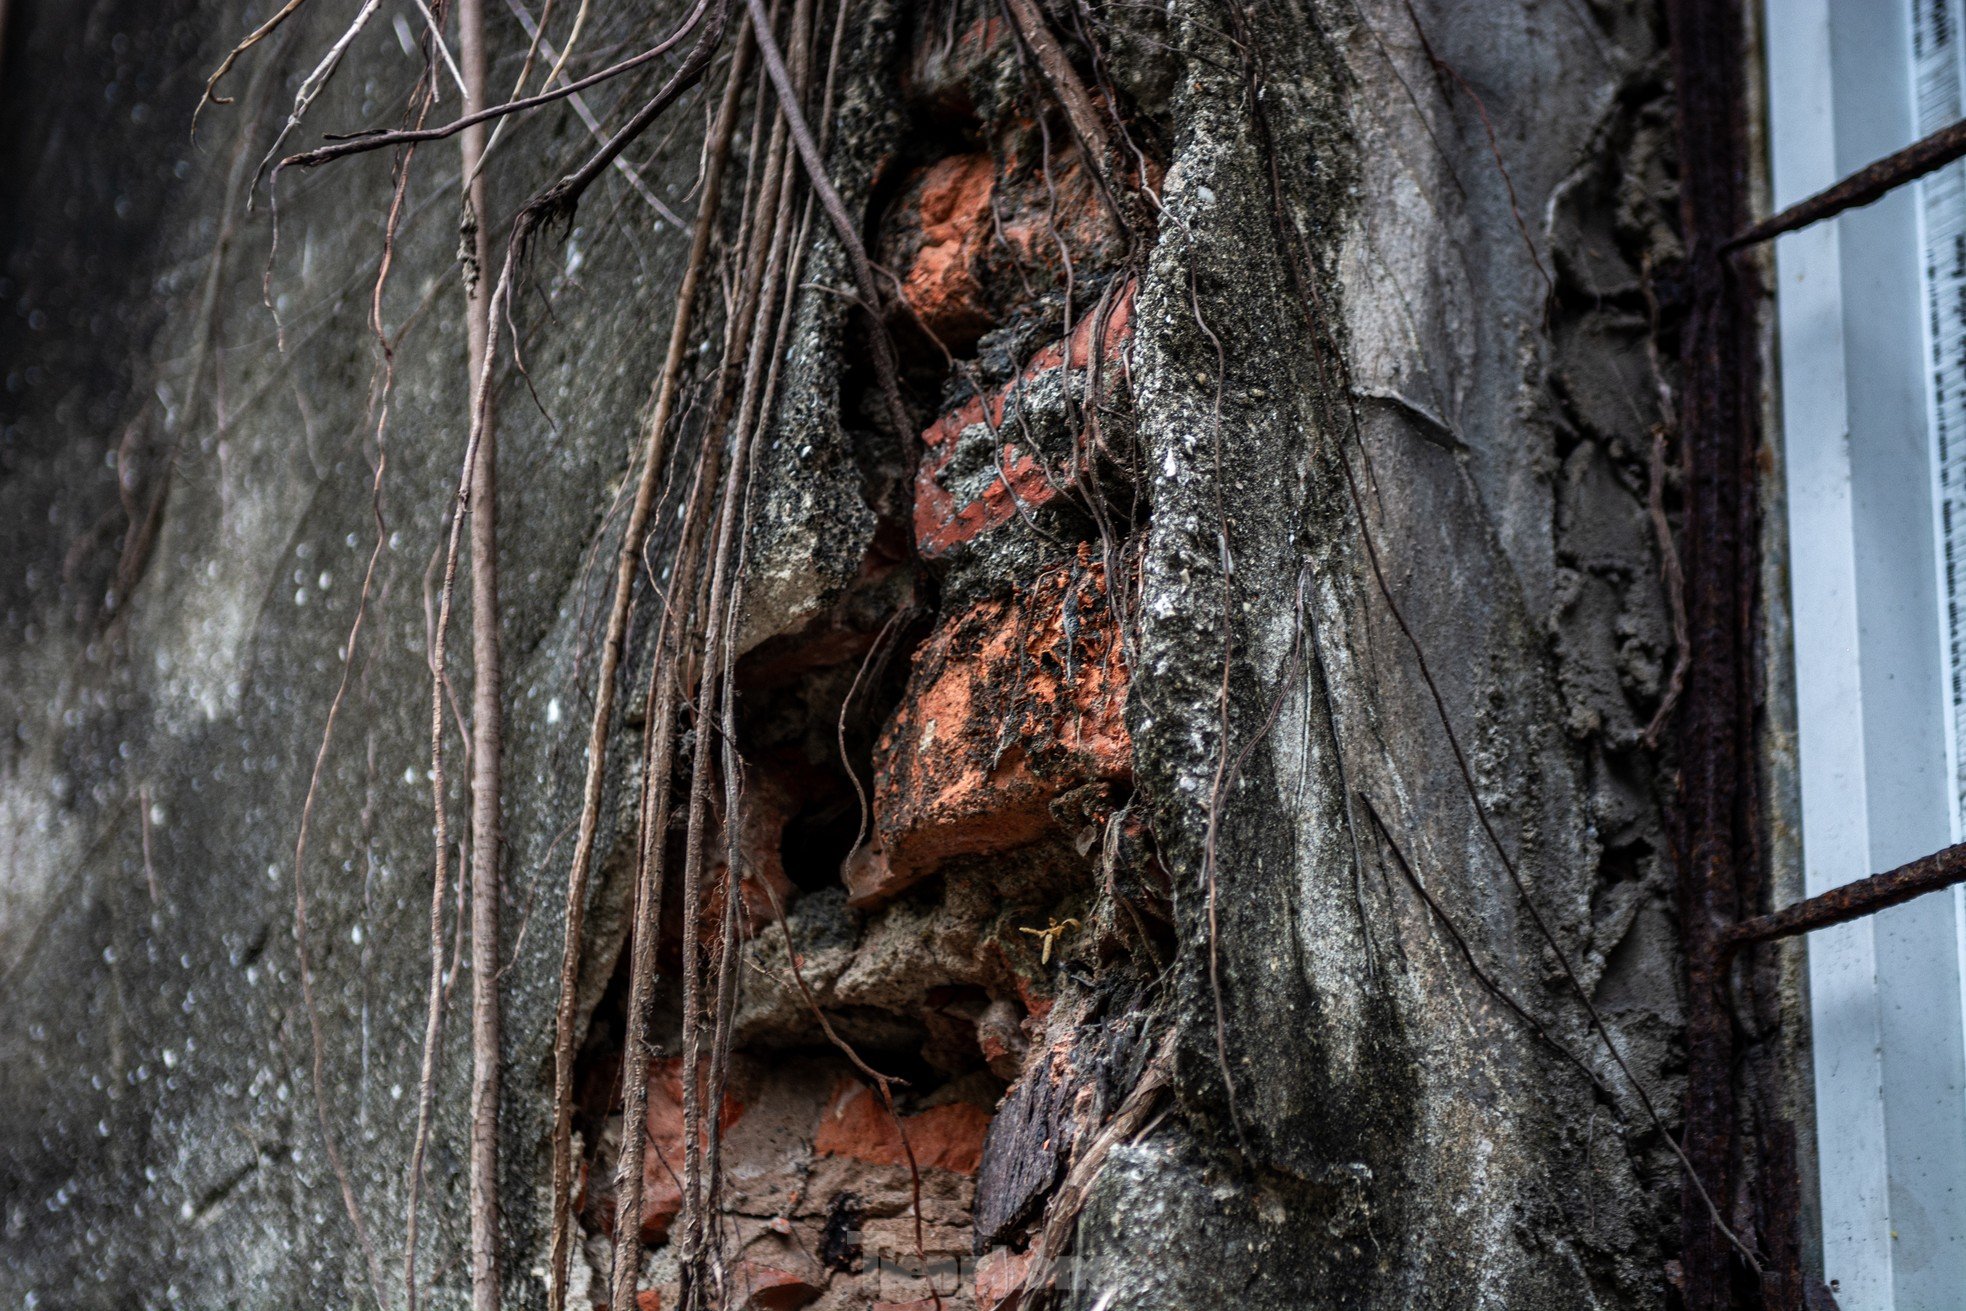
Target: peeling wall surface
x,y
1204,762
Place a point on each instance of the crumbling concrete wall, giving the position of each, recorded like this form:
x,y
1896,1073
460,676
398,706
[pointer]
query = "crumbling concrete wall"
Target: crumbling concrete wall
x,y
1245,668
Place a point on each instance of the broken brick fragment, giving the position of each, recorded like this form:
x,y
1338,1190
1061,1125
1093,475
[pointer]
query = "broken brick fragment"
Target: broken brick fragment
x,y
947,209
1052,200
1000,1276
767,806
857,1124
1000,1037
1010,705
945,518
760,1287
966,233
1037,1004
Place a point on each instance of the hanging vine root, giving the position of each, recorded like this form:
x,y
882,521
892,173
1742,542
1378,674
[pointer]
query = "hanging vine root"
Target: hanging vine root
x,y
257,35
487,689
654,450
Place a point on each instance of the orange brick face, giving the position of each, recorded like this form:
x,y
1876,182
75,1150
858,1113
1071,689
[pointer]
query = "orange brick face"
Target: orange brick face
x,y
942,523
759,1287
856,1124
1012,704
1000,1280
947,209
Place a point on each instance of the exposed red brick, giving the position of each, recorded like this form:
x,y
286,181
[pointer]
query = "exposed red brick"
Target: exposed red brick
x,y
761,1287
1010,705
947,206
967,232
1000,1279
941,525
767,806
856,1124
662,1163
649,1299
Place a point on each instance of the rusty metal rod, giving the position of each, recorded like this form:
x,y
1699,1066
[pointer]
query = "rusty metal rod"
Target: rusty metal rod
x,y
1720,870
1933,873
1872,182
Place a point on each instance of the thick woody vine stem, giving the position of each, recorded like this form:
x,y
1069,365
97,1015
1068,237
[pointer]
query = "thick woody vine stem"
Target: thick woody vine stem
x,y
436,1003
680,629
664,696
760,381
555,201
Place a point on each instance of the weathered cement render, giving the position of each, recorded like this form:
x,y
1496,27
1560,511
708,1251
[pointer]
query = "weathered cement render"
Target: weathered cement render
x,y
1498,472
1384,583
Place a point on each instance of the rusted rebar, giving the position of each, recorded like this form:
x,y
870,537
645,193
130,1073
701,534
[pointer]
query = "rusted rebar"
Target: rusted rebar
x,y
1872,182
1720,868
1933,873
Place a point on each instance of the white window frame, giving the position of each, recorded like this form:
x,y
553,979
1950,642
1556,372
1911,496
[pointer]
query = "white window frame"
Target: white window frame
x,y
1875,755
